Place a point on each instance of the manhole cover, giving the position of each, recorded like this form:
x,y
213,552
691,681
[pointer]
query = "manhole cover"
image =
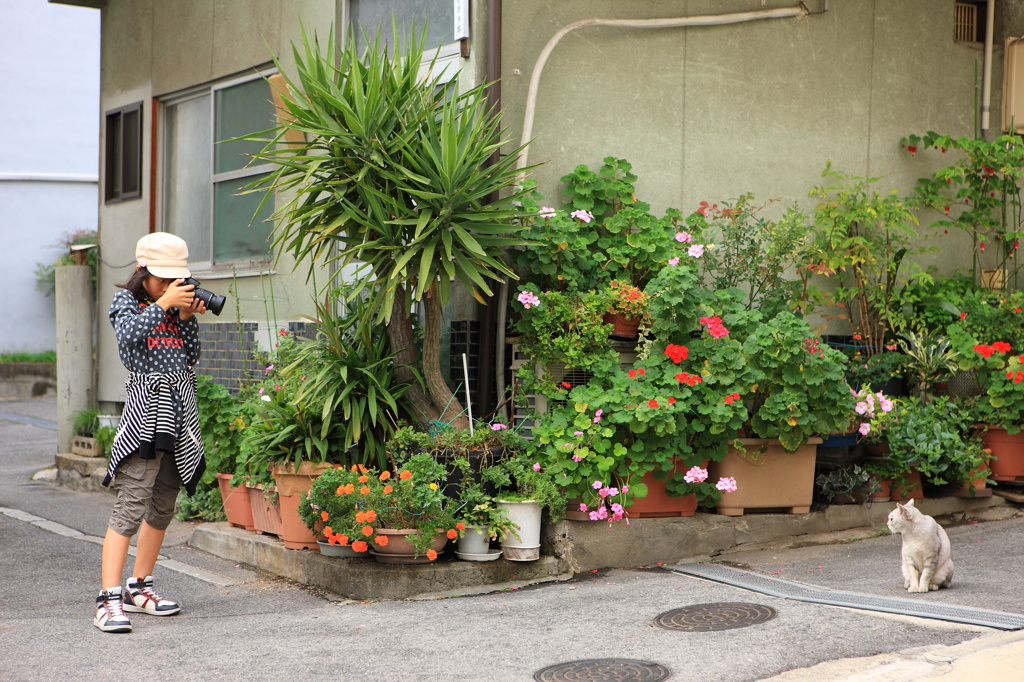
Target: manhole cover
x,y
595,669
713,617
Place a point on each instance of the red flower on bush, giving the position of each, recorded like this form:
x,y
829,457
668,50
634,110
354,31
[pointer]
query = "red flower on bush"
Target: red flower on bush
x,y
671,400
984,349
731,398
688,379
1001,347
676,352
653,404
715,326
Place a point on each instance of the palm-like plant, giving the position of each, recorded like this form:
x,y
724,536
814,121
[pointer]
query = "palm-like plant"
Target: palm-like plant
x,y
394,175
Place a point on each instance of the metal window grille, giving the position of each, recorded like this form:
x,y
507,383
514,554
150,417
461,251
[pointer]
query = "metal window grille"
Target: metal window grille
x,y
966,22
464,338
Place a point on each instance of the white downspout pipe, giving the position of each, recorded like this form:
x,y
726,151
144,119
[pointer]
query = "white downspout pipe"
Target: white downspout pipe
x,y
986,81
799,11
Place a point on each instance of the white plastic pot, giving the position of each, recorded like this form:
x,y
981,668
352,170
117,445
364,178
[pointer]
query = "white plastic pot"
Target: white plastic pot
x,y
474,541
525,544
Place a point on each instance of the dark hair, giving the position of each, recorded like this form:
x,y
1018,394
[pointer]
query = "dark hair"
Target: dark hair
x,y
135,285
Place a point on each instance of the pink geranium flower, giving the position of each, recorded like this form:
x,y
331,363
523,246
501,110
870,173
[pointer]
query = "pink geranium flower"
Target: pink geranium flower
x,y
696,475
585,216
726,484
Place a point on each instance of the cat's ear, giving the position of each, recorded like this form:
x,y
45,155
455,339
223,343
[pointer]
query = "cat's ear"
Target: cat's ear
x,y
911,502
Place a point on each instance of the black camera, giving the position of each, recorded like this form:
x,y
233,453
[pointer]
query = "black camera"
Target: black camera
x,y
214,303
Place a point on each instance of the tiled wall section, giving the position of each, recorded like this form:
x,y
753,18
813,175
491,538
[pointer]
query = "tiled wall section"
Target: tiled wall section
x,y
228,350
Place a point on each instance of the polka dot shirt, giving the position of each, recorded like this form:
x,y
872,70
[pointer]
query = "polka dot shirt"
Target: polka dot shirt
x,y
150,339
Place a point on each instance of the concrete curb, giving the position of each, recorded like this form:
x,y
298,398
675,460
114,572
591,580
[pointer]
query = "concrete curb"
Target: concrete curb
x,y
365,578
587,545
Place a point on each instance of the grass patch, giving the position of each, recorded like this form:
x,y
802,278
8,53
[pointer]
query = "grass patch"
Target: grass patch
x,y
47,356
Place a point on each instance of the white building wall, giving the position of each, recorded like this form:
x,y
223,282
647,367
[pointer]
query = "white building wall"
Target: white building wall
x,y
50,68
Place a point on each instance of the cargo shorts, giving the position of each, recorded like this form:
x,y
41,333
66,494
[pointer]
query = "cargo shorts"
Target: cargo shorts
x,y
146,489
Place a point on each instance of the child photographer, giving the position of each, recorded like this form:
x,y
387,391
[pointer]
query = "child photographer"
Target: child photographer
x,y
158,447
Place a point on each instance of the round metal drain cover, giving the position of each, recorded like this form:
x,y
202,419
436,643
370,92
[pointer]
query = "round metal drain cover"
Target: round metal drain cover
x,y
714,617
598,669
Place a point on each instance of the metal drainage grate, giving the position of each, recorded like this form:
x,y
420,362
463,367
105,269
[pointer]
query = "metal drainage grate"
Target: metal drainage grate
x,y
595,669
714,617
868,602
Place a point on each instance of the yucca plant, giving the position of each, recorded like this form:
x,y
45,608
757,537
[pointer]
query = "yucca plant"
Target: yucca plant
x,y
350,374
394,175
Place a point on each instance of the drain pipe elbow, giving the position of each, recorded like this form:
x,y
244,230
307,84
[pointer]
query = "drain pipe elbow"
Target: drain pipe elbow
x,y
798,11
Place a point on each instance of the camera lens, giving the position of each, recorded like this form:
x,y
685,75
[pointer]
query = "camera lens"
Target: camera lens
x,y
214,303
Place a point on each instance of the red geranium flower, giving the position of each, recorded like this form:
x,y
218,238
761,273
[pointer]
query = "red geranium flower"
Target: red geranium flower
x,y
677,353
985,350
653,404
1001,347
671,400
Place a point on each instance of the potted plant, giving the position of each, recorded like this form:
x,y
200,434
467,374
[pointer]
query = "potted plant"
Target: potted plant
x,y
931,358
84,425
481,520
846,485
414,519
999,409
329,509
222,420
626,309
413,212
525,491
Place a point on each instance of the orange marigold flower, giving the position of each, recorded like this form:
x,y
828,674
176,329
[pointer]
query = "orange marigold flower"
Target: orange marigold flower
x,y
342,538
364,490
360,517
431,554
360,546
323,516
388,489
364,479
367,531
460,525
371,516
381,540
355,468
340,490
385,475
333,539
328,531
452,534
363,469
405,475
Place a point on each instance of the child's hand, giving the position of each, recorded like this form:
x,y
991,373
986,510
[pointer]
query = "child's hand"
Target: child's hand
x,y
197,306
180,297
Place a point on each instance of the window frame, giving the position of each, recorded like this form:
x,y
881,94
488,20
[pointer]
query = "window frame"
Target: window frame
x,y
115,158
211,269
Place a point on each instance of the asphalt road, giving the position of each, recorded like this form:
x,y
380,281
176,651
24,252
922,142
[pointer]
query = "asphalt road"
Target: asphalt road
x,y
264,628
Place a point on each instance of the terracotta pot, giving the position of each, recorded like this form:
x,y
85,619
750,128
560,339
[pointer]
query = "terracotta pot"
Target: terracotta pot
x,y
883,494
624,326
266,514
855,498
399,550
911,491
772,479
658,503
974,486
292,484
1007,453
236,503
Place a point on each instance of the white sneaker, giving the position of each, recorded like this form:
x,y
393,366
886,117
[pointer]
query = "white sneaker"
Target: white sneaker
x,y
110,613
139,597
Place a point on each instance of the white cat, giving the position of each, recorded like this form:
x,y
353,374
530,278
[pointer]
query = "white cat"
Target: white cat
x,y
927,557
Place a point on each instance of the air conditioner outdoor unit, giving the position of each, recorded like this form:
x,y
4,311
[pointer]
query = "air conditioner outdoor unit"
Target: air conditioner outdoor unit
x,y
522,415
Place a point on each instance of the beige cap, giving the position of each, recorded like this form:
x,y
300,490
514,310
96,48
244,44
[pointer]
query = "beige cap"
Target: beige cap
x,y
164,255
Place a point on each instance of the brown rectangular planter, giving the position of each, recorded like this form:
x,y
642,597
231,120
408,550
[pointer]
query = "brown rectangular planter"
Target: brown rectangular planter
x,y
774,479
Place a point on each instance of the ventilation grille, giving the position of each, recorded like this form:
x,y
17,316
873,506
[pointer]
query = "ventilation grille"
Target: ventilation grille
x,y
966,22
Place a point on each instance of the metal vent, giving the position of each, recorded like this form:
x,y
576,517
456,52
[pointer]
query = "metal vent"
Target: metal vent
x,y
784,589
966,14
